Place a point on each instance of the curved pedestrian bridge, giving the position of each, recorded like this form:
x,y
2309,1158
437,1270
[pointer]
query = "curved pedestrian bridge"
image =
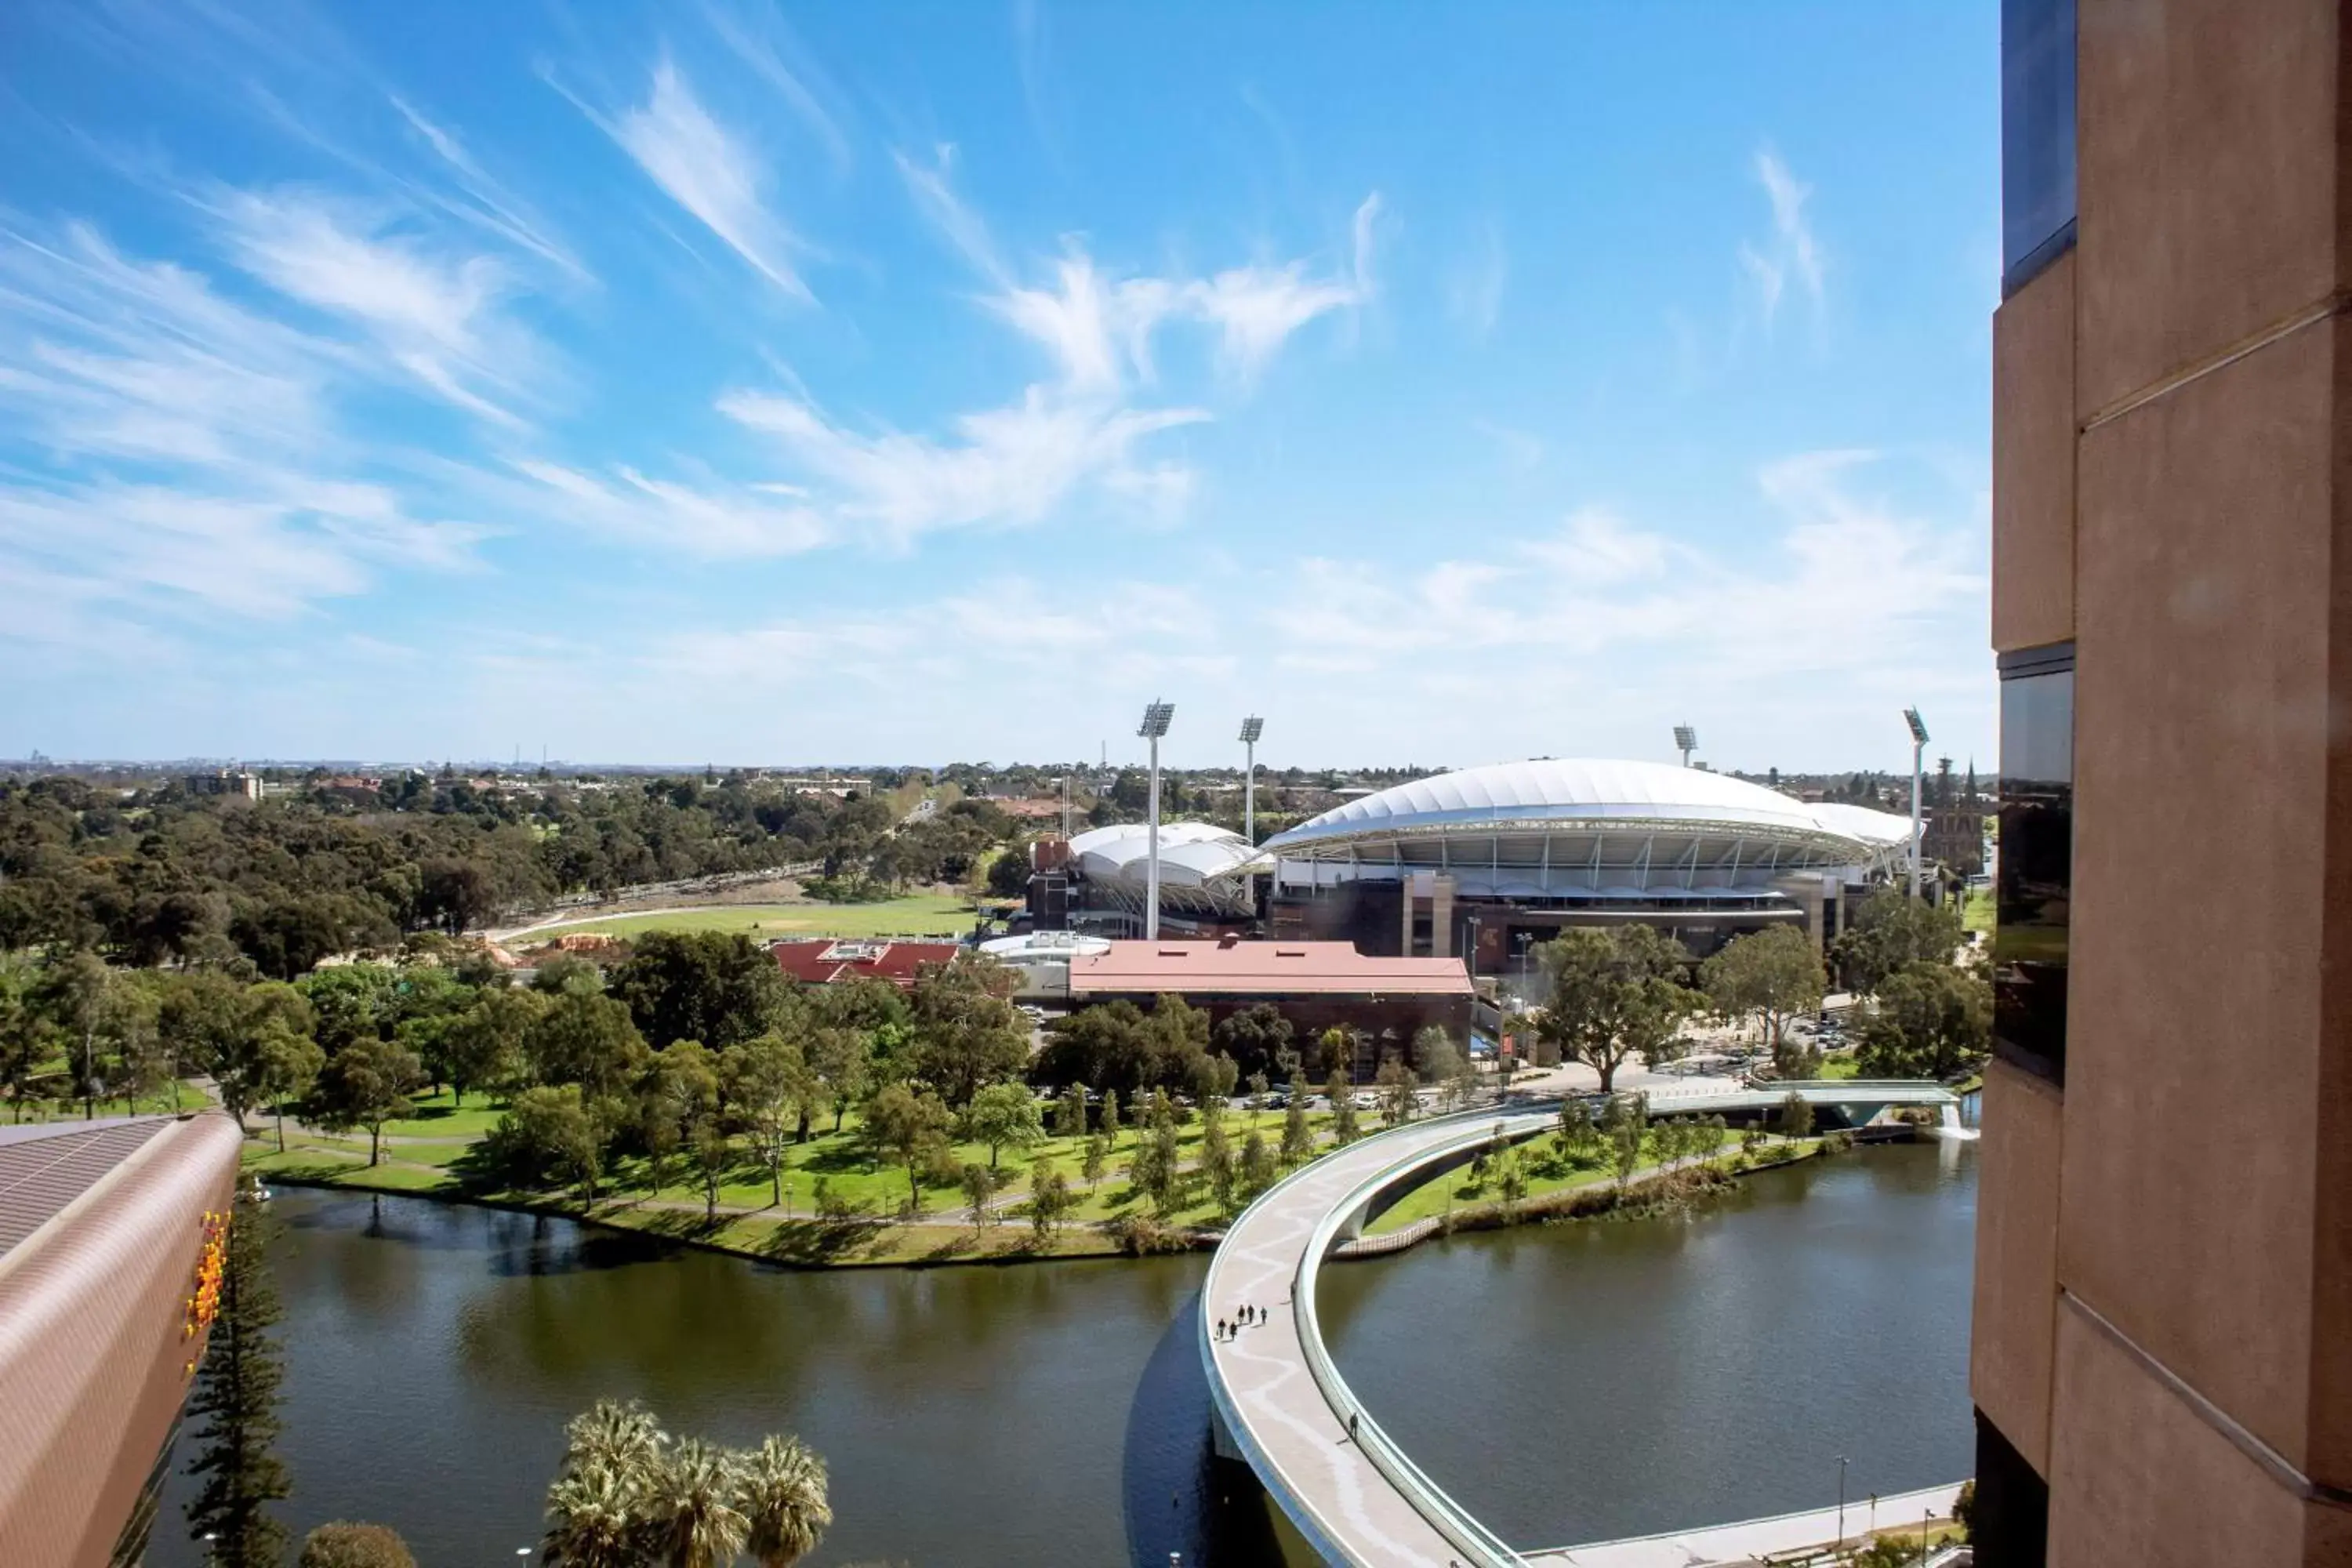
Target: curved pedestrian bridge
x,y
1280,1404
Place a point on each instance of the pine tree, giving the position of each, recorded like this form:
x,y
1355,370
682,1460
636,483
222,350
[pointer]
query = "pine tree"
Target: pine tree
x,y
236,1397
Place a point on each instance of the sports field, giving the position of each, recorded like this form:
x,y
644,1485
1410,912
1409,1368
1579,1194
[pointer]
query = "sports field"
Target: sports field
x,y
920,915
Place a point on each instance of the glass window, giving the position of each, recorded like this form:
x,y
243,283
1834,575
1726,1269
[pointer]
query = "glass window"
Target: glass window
x,y
2037,136
2037,858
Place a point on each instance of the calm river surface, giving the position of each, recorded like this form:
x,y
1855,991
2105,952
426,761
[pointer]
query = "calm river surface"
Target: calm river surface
x,y
1565,1382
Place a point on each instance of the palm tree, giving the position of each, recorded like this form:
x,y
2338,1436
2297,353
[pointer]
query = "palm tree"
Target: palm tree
x,y
783,1494
625,1437
691,1508
594,1519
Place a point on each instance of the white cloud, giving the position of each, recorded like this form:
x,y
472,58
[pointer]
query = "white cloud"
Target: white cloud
x,y
1258,307
435,316
485,202
201,474
712,518
711,172
1007,466
1792,251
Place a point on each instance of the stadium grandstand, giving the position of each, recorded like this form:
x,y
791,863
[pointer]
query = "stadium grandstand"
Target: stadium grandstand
x,y
1484,862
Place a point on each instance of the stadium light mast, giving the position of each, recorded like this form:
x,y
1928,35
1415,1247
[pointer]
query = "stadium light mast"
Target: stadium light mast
x,y
1155,725
1252,727
1685,742
1918,750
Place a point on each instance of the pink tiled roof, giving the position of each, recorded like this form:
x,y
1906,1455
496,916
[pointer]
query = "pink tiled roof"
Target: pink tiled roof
x,y
1263,968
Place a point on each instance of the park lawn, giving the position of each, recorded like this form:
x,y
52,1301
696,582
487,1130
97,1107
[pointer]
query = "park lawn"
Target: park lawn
x,y
1841,1064
1546,1174
1977,913
918,914
440,1116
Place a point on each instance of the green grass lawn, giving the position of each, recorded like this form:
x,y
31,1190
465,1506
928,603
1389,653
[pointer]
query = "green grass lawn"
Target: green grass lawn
x,y
1457,1189
438,1163
920,915
1841,1064
1977,913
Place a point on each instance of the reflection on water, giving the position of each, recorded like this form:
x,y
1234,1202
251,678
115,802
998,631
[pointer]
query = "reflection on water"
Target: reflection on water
x,y
1579,1383
1564,1381
970,1415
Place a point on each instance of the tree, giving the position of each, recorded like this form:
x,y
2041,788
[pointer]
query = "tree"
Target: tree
x,y
1297,1137
1217,1163
719,987
1070,1112
366,1084
1511,1175
1930,1020
587,1039
714,1156
1796,1116
1440,1062
1627,1124
1097,1155
1578,1136
782,1500
76,992
24,1032
693,1517
290,1065
967,1033
483,1047
340,1545
234,1404
1342,1096
1111,1117
1258,1163
548,1134
978,1183
1003,1115
765,1077
1889,933
1008,874
679,1093
1396,1087
1770,975
910,1128
1614,994
1258,1038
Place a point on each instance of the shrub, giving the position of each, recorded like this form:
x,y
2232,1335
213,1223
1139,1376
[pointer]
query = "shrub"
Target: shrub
x,y
343,1545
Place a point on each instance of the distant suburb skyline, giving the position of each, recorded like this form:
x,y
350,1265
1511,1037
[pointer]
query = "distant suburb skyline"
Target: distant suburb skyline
x,y
923,383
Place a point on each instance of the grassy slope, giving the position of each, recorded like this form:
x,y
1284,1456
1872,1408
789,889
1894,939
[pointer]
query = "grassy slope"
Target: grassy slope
x,y
920,914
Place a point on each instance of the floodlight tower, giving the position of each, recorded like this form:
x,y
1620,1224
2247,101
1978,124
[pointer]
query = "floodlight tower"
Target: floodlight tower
x,y
1155,725
1252,727
1685,742
1918,750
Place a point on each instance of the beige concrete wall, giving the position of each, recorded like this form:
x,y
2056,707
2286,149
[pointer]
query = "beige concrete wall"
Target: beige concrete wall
x,y
2011,1352
2204,598
2033,462
2137,1478
2210,206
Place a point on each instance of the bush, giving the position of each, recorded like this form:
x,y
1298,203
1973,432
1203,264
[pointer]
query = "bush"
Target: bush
x,y
343,1545
1140,1236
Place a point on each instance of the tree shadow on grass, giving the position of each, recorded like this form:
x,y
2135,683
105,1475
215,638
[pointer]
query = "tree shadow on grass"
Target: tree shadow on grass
x,y
814,1243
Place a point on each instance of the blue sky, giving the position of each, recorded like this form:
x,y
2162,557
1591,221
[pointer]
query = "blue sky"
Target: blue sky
x,y
919,382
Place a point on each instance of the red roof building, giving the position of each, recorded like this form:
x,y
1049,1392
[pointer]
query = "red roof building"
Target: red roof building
x,y
824,961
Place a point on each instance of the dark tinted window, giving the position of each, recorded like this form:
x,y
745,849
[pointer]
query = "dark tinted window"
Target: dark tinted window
x,y
2037,135
2037,860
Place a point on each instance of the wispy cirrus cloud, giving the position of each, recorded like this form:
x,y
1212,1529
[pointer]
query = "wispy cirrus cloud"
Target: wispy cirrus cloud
x,y
435,314
1792,253
712,173
1256,309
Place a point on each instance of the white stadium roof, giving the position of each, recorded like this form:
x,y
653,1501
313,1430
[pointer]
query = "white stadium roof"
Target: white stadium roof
x,y
1199,864
1600,826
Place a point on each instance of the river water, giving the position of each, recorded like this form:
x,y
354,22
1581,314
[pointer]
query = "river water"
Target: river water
x,y
1565,1382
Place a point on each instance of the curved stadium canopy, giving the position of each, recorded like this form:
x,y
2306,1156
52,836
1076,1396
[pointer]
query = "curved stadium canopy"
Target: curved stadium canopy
x,y
1567,828
1204,868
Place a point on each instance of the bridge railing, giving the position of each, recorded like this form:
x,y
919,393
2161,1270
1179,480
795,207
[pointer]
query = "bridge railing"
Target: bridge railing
x,y
1483,1547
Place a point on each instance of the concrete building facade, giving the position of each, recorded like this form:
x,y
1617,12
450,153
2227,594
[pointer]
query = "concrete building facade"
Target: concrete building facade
x,y
2162,1363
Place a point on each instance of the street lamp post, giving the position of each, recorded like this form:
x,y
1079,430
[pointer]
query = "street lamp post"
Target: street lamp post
x,y
1252,727
1841,1540
1918,752
1155,725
